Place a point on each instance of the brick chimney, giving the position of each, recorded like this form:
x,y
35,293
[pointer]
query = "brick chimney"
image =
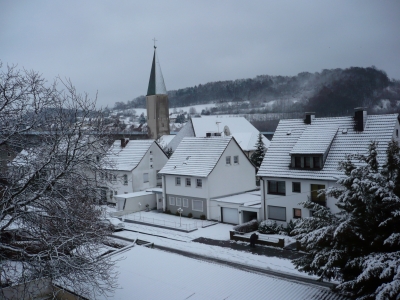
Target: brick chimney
x,y
309,117
360,118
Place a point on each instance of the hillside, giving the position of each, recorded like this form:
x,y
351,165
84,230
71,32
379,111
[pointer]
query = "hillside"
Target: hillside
x,y
329,93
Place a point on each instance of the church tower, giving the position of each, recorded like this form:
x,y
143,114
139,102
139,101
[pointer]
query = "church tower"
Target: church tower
x,y
157,102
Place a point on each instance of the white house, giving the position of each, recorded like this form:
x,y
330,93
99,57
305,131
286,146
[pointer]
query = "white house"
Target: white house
x,y
202,169
242,130
134,167
303,158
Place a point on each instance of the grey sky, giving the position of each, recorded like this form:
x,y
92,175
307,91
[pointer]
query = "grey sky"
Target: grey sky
x,y
107,46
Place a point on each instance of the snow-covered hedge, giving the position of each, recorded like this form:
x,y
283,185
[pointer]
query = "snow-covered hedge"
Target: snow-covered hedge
x,y
270,227
247,227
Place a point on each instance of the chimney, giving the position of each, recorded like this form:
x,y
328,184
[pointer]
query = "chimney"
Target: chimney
x,y
360,118
124,142
309,117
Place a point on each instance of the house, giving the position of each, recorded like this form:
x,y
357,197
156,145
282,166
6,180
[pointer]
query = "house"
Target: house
x,y
242,130
202,169
303,158
134,167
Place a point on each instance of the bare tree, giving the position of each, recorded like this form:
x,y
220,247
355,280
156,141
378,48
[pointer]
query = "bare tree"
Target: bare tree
x,y
50,227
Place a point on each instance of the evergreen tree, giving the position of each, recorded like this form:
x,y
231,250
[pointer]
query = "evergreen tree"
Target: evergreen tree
x,y
168,151
142,118
258,155
360,245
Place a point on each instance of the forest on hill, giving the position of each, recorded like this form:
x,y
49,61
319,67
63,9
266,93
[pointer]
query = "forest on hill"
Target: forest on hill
x,y
331,92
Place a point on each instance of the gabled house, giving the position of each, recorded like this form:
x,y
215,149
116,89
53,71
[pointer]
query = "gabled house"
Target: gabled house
x,y
202,169
134,167
303,158
242,130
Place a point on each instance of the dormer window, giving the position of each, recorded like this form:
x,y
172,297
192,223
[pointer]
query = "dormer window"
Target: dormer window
x,y
317,162
313,162
297,162
307,162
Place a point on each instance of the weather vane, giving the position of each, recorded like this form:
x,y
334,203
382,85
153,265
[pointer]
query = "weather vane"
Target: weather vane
x,y
155,43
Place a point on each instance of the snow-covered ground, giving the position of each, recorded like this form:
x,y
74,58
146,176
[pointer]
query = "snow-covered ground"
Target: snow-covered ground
x,y
184,241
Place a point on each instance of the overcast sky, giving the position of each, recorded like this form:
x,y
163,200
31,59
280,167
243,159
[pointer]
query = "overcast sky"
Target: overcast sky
x,y
107,46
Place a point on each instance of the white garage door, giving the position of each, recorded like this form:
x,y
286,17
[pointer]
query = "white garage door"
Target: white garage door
x,y
230,215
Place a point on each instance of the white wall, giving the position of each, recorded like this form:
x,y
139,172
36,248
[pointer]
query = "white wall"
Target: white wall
x,y
291,200
233,178
159,159
135,177
183,190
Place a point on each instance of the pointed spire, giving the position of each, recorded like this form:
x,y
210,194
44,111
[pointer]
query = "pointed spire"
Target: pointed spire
x,y
156,81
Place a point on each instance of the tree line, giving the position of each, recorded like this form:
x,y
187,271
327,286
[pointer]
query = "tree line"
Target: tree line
x,y
329,92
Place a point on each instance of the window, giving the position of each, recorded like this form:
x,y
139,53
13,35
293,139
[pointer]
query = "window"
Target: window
x,y
314,194
111,194
236,159
125,179
197,205
177,181
296,213
159,176
151,166
199,183
145,177
9,153
102,176
178,202
171,201
297,162
296,187
151,159
115,192
188,182
228,160
185,202
316,162
276,187
277,213
307,162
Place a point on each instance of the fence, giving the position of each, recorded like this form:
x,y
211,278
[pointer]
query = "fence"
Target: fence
x,y
193,225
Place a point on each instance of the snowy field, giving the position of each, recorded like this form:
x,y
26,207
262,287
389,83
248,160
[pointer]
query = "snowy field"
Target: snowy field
x,y
154,274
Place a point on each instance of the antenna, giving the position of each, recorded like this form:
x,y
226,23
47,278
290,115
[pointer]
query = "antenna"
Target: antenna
x,y
154,40
227,132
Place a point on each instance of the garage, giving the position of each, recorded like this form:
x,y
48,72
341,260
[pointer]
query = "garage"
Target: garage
x,y
230,215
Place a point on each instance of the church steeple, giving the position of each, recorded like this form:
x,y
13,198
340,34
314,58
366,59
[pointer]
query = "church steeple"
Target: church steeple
x,y
156,81
157,102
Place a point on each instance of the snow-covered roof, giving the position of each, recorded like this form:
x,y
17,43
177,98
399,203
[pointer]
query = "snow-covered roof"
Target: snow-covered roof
x,y
242,130
127,158
133,195
314,137
245,199
315,140
196,156
165,140
175,276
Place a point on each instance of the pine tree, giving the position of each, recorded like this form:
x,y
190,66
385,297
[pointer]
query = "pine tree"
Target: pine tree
x,y
258,155
168,151
360,245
